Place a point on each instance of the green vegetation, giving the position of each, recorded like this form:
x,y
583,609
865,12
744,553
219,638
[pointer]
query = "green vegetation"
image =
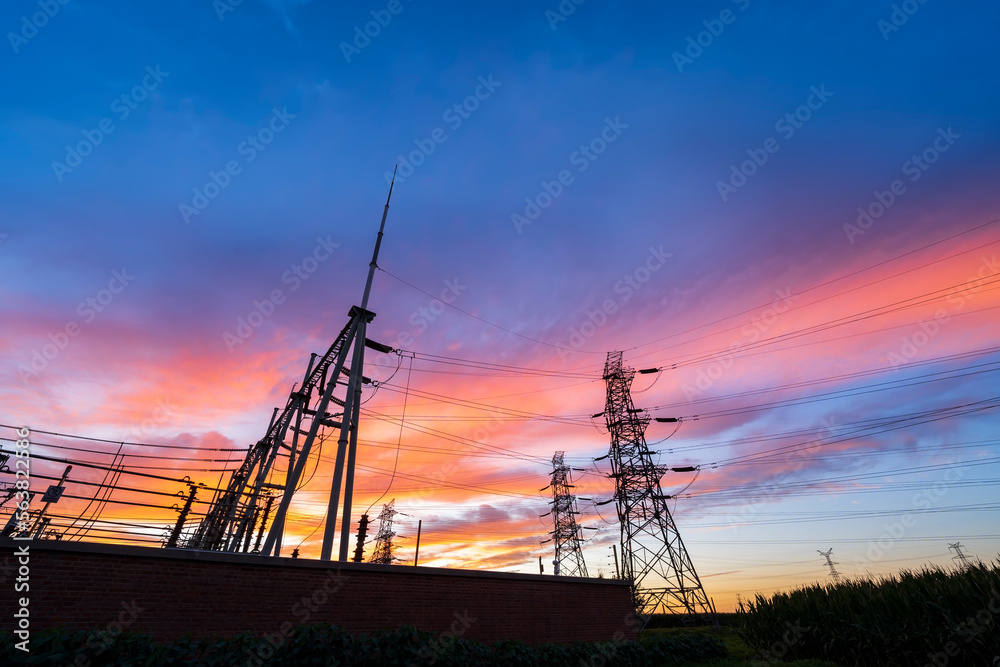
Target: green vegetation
x,y
330,645
931,617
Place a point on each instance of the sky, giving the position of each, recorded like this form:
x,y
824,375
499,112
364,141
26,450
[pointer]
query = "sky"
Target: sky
x,y
790,211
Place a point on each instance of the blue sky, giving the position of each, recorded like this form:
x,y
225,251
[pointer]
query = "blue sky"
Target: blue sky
x,y
330,121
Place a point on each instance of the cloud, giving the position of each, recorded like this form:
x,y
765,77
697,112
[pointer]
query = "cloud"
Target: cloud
x,y
284,7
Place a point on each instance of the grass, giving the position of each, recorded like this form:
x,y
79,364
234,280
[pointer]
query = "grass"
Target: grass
x,y
740,655
909,618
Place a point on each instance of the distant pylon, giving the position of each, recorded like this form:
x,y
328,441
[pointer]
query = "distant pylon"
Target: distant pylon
x,y
831,564
964,560
654,558
383,540
566,533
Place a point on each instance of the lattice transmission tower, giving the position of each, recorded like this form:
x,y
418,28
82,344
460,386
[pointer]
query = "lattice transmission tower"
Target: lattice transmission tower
x,y
654,558
294,432
834,574
383,540
960,556
566,533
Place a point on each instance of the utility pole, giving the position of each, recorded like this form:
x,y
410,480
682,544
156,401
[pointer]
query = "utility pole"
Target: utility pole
x,y
383,540
654,558
566,533
831,563
416,554
52,495
309,409
263,523
614,552
964,561
182,517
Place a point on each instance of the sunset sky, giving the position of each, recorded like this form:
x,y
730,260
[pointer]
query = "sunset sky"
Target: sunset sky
x,y
791,210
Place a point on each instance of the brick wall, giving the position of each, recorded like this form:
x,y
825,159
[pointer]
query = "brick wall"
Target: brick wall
x,y
85,586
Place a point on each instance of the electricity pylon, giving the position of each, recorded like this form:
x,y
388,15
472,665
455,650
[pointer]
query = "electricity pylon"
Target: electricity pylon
x,y
964,560
566,533
654,558
834,574
383,540
311,408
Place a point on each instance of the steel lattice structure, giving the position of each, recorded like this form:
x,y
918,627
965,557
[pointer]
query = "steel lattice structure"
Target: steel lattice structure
x,y
566,532
235,512
834,574
230,522
383,540
654,558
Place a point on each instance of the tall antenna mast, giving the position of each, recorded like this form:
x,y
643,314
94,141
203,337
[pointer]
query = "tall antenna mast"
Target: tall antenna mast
x,y
352,405
378,244
231,518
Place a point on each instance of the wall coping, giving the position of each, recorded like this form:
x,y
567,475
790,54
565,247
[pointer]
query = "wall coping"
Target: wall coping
x,y
99,548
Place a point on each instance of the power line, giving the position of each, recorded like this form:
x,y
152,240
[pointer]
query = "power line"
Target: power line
x,y
824,284
120,442
476,317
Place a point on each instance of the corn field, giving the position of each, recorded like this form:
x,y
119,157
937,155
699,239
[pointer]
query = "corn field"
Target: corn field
x,y
928,617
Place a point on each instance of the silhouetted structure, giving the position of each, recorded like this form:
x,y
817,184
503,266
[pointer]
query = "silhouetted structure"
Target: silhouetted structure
x,y
654,558
383,540
233,514
566,533
834,574
963,560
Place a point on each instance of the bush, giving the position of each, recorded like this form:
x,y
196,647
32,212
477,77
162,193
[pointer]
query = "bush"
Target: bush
x,y
317,645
